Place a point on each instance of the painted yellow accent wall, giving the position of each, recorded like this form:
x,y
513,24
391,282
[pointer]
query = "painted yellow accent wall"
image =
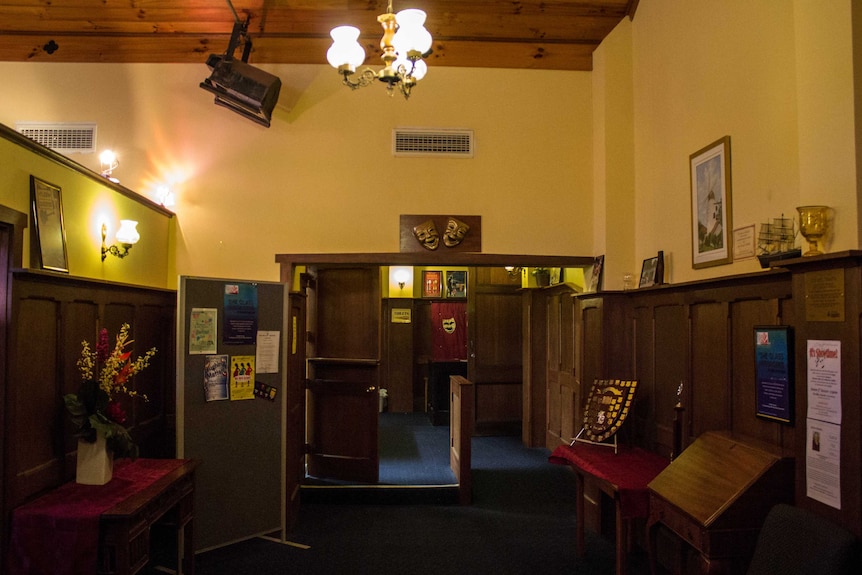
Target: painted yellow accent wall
x,y
86,204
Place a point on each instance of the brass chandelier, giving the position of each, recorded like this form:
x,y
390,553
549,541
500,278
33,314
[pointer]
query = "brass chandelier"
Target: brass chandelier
x,y
405,44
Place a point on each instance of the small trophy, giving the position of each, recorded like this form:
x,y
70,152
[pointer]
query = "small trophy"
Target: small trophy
x,y
813,224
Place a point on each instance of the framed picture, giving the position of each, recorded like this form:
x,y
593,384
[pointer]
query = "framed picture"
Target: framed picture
x,y
432,283
648,272
773,376
596,275
456,284
556,276
711,208
49,231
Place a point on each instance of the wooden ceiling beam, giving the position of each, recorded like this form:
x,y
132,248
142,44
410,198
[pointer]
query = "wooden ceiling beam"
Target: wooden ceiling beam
x,y
544,34
185,49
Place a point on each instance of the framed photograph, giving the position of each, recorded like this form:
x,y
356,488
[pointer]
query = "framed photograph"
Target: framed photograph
x,y
711,224
773,377
648,272
432,283
556,276
456,284
596,275
49,231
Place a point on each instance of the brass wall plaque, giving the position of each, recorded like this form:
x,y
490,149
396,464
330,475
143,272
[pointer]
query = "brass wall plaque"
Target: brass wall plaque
x,y
824,295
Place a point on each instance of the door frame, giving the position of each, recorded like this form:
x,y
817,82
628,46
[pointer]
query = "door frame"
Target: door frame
x,y
290,265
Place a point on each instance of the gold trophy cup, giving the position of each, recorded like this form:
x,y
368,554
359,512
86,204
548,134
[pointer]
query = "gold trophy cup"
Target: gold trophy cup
x,y
813,224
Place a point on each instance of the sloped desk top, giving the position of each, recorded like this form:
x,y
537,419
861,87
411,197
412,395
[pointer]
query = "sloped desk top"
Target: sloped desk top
x,y
717,493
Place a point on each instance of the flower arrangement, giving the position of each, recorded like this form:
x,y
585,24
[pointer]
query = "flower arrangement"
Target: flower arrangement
x,y
96,408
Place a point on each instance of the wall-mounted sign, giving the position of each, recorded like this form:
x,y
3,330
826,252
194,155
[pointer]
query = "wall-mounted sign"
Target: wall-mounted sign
x,y
824,295
400,315
773,364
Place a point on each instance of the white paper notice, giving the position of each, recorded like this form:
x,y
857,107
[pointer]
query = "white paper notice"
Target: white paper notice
x,y
267,351
824,380
823,463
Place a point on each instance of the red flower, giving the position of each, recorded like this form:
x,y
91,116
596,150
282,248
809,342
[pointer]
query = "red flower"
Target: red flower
x,y
102,349
116,413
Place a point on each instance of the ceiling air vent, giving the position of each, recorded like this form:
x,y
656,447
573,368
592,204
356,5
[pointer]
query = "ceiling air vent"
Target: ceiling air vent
x,y
432,143
64,137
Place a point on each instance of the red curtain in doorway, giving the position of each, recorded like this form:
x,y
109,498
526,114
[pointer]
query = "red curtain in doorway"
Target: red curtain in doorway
x,y
449,330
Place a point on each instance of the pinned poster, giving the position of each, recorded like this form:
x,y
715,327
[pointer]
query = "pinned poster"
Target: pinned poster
x,y
240,314
215,377
241,377
202,331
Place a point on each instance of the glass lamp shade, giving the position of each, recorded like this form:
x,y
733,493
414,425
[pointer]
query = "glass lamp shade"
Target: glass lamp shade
x,y
345,49
420,68
411,35
128,232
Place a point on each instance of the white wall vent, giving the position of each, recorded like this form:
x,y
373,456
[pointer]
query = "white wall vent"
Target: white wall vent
x,y
64,137
429,142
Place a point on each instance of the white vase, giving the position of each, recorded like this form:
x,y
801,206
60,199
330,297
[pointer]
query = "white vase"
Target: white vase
x,y
95,462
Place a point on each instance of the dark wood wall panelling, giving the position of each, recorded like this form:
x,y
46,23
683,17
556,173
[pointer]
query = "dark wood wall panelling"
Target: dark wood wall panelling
x,y
700,335
51,315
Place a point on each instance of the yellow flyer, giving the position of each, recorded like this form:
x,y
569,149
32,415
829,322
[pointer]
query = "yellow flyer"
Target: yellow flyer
x,y
241,377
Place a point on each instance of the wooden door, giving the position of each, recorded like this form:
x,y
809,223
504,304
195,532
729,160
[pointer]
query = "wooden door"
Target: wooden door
x,y
343,374
495,351
295,410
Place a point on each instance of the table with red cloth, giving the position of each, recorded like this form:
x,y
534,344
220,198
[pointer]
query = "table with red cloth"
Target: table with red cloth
x,y
59,533
623,475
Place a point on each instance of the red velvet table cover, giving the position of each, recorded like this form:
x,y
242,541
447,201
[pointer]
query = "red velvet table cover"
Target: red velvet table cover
x,y
630,470
58,533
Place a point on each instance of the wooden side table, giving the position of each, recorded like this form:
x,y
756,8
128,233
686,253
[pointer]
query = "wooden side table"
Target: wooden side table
x,y
623,476
78,529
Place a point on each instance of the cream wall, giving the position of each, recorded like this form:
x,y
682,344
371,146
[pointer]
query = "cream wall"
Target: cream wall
x,y
566,163
323,178
614,215
776,76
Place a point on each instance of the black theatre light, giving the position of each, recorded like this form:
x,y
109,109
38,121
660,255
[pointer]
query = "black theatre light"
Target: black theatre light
x,y
239,86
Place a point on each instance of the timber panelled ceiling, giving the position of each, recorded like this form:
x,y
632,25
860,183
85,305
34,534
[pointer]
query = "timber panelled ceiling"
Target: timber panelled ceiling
x,y
544,35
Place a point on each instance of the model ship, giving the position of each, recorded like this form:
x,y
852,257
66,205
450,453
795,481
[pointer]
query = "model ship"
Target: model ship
x,y
777,241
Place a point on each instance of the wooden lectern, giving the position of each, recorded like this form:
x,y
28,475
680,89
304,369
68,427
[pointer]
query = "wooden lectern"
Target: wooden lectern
x,y
715,497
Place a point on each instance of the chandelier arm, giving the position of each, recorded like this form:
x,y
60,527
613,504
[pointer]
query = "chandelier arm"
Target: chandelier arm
x,y
363,78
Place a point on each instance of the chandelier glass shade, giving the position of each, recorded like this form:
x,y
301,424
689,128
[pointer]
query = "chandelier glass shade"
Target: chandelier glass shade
x,y
405,44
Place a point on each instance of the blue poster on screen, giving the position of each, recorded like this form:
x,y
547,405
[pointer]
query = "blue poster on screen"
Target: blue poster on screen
x,y
240,314
773,373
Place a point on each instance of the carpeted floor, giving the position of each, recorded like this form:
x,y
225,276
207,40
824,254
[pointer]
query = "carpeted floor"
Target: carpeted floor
x,y
522,521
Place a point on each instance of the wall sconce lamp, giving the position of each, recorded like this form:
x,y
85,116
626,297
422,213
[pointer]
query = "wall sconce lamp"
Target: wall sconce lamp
x,y
401,281
127,236
108,163
513,270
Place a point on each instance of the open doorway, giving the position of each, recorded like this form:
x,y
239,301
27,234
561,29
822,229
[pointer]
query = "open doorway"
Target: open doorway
x,y
494,394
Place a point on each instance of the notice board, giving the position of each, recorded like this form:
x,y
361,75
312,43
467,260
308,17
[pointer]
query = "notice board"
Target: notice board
x,y
237,434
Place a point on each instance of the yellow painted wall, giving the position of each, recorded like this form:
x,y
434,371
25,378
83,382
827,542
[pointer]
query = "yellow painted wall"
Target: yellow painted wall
x,y
323,177
614,214
86,204
567,163
776,76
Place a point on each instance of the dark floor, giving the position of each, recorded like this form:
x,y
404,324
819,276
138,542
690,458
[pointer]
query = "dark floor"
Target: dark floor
x,y
522,521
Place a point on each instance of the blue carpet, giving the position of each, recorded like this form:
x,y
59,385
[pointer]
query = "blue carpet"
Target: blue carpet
x,y
412,451
521,522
